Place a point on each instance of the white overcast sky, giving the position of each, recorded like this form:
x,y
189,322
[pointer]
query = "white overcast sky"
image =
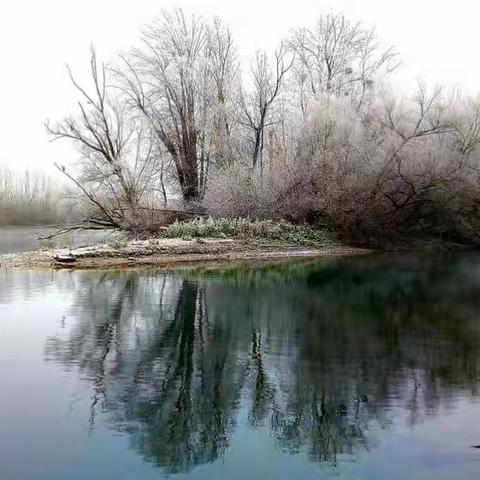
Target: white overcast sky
x,y
438,41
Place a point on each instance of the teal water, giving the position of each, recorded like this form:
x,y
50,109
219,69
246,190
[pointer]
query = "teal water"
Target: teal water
x,y
358,368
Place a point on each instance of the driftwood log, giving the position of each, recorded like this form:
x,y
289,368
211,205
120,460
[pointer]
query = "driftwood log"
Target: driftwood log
x,y
64,258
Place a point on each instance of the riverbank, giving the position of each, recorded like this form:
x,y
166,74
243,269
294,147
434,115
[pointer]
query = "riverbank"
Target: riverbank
x,y
171,252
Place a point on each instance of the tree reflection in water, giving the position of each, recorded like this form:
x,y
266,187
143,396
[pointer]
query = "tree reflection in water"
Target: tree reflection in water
x,y
318,351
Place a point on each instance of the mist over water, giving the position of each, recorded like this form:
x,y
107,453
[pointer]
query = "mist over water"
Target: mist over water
x,y
354,368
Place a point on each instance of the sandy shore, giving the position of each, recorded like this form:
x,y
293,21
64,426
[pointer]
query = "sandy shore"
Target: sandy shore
x,y
168,252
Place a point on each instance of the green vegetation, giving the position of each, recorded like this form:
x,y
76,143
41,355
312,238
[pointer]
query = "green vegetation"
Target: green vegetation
x,y
242,228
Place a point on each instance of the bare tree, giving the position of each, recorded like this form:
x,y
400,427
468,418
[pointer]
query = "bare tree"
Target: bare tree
x,y
180,81
119,160
223,69
426,118
340,58
466,123
257,106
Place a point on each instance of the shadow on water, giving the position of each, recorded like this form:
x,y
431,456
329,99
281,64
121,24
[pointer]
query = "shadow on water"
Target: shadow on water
x,y
323,354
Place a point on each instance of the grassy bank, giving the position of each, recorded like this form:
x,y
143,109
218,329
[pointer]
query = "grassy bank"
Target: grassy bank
x,y
206,240
245,229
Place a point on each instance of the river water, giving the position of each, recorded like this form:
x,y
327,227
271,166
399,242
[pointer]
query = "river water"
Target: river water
x,y
357,368
25,239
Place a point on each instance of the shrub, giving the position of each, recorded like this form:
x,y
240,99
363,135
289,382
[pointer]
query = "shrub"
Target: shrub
x,y
281,192
243,228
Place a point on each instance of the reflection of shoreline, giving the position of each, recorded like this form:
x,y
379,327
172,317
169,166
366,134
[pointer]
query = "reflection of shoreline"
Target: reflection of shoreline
x,y
324,352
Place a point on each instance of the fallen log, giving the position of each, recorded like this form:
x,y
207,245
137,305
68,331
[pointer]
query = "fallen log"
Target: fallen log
x,y
65,258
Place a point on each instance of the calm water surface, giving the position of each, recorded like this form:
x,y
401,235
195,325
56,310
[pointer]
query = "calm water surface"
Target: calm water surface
x,y
25,239
364,368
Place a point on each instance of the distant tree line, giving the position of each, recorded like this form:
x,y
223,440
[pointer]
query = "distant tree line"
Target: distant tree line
x,y
29,198
312,132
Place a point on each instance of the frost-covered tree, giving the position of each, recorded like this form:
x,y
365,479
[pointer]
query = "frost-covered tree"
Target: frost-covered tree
x,y
120,165
338,57
257,105
181,80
